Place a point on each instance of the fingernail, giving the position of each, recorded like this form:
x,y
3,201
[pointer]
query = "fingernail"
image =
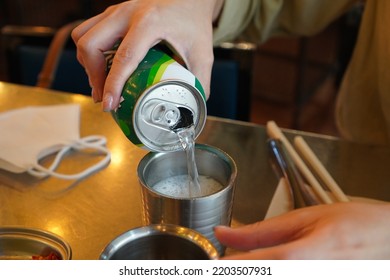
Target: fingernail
x,y
107,103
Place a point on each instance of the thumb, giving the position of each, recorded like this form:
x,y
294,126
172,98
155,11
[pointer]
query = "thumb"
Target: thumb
x,y
270,232
237,238
203,73
200,63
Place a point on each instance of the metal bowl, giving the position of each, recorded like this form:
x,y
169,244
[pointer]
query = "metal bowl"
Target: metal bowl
x,y
160,242
19,243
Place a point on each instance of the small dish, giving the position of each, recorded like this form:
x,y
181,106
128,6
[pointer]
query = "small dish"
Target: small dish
x,y
20,243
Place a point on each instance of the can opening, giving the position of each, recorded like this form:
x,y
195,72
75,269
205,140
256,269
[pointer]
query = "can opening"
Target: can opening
x,y
186,119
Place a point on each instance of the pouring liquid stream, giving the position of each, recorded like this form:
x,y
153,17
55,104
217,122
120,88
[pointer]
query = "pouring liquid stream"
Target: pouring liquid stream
x,y
187,139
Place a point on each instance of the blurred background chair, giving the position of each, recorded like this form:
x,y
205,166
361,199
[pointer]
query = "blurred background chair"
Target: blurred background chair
x,y
231,80
28,27
44,57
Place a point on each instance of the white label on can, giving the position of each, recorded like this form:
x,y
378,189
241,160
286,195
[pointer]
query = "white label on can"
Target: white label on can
x,y
177,71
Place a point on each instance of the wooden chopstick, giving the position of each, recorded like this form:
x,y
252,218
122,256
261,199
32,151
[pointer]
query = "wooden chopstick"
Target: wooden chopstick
x,y
318,167
274,132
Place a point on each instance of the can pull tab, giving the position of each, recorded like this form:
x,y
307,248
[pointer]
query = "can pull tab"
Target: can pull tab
x,y
167,115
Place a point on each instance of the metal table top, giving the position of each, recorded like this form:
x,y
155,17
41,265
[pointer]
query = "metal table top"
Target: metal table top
x,y
91,212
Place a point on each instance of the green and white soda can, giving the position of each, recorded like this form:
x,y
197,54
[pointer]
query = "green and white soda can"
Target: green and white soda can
x,y
159,98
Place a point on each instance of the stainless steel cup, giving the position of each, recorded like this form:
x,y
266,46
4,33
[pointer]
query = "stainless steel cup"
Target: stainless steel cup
x,y
199,213
160,242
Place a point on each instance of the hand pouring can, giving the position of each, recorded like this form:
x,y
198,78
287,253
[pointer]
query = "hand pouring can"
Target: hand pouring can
x,y
158,98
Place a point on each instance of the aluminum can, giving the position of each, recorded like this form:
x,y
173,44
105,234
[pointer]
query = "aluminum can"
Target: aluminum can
x,y
160,97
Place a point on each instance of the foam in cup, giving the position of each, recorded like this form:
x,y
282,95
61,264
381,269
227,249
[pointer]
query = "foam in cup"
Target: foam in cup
x,y
178,186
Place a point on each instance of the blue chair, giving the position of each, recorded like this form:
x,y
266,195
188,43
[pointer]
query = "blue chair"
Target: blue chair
x,y
44,57
231,81
224,89
70,75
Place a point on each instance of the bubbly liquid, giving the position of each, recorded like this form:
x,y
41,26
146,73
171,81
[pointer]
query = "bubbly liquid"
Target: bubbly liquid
x,y
177,186
187,139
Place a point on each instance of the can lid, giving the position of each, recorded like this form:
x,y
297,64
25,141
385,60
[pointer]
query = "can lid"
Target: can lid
x,y
163,109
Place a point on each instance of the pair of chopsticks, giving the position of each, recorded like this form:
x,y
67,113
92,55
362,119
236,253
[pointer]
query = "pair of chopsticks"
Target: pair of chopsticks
x,y
274,132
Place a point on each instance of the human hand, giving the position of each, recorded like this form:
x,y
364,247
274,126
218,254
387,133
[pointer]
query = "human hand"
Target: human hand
x,y
186,26
337,231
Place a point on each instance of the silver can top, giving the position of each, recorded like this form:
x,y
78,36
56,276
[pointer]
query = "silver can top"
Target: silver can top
x,y
164,108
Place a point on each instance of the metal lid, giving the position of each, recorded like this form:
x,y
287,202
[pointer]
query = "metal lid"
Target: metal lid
x,y
20,243
165,107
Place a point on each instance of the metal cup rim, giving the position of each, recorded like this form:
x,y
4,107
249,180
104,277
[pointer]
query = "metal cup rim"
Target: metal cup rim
x,y
160,229
225,156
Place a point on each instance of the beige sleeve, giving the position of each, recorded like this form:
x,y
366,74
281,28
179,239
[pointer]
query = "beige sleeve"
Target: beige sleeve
x,y
363,108
258,20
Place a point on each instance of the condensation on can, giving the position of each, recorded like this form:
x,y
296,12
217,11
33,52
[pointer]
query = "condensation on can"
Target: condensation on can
x,y
153,101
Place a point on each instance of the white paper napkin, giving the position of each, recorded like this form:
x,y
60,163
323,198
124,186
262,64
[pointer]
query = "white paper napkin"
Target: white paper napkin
x,y
282,200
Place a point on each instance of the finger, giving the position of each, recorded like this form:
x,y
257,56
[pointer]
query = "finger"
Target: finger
x,y
312,246
260,254
199,60
130,53
91,45
91,55
297,250
97,35
82,29
202,68
266,233
85,26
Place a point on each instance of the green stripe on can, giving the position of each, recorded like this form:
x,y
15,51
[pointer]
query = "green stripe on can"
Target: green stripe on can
x,y
158,69
199,87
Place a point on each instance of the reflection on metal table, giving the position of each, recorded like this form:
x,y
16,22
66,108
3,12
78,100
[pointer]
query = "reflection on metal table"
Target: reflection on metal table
x,y
92,212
